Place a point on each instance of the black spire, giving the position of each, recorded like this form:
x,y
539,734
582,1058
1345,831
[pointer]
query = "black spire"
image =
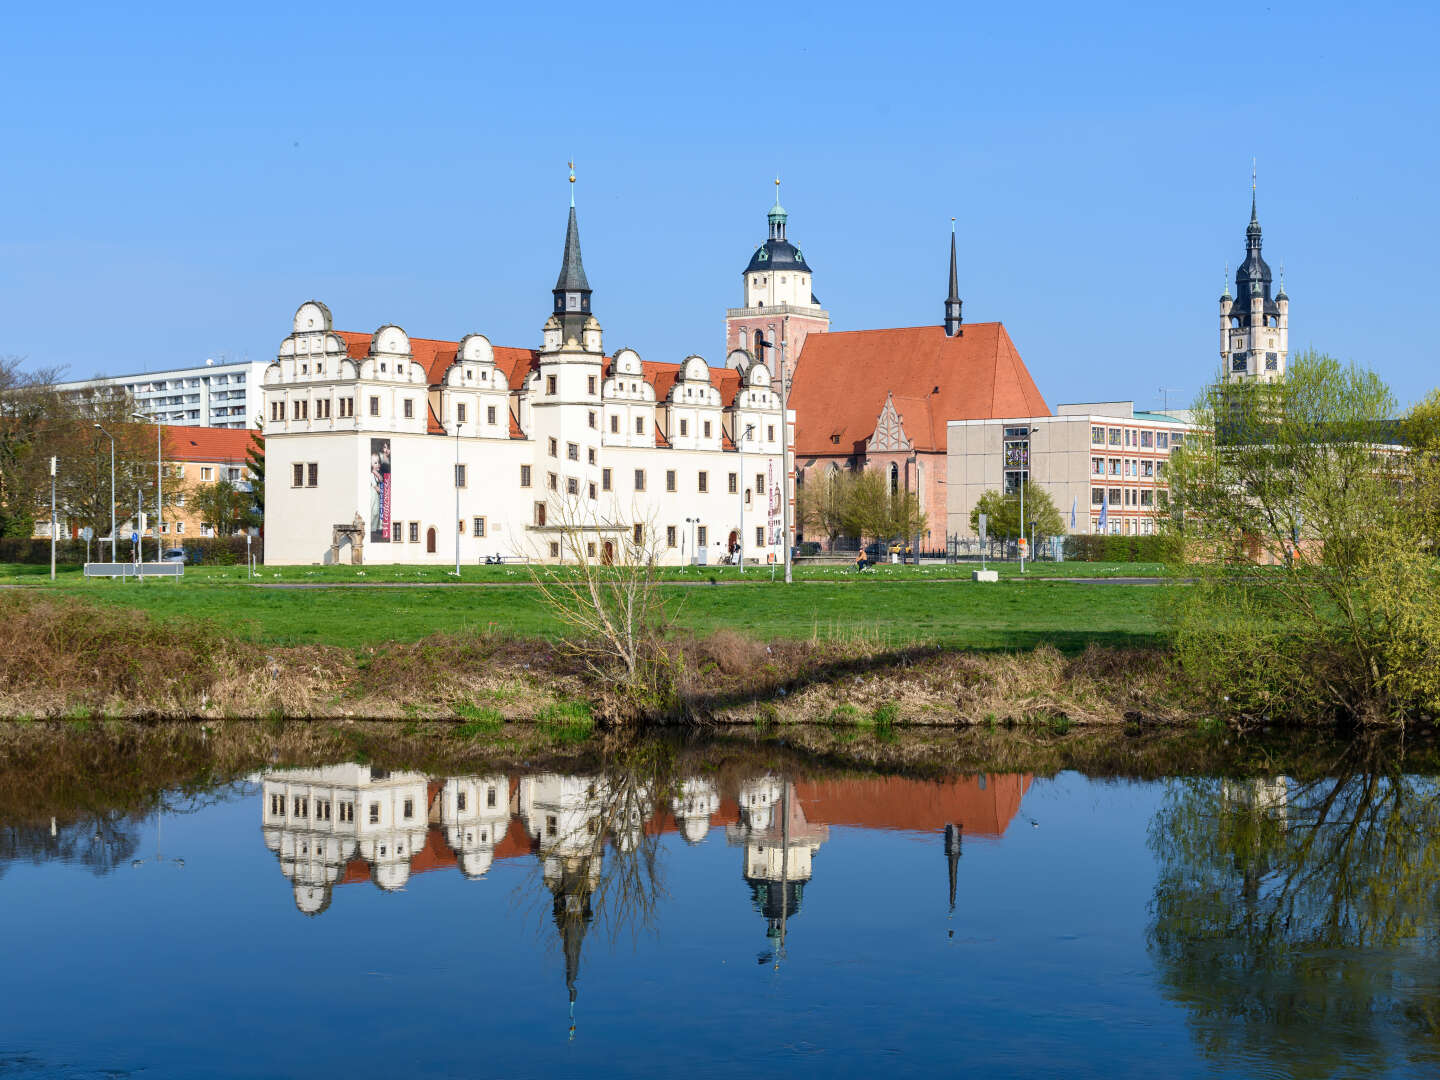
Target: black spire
x,y
952,302
1252,277
572,289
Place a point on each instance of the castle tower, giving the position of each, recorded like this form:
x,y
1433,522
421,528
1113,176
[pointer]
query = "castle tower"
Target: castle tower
x,y
1254,329
779,298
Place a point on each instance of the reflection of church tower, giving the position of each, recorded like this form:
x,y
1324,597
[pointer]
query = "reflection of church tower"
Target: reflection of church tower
x,y
564,815
779,301
953,836
780,846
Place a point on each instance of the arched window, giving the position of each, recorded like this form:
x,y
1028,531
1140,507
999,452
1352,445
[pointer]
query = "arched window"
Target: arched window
x,y
894,480
759,342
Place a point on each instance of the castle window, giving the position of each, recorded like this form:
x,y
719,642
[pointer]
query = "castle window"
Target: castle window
x,y
669,479
374,813
639,425
490,796
572,486
685,426
639,534
670,536
374,405
460,801
614,424
707,429
397,529
605,479
490,414
554,549
590,382
733,483
572,451
702,536
479,530
592,418
554,447
550,384
639,479
590,455
524,476
703,482
540,514
770,433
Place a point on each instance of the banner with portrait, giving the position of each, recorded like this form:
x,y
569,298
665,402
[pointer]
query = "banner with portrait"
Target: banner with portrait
x,y
380,487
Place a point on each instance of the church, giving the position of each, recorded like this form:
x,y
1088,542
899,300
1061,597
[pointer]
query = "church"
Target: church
x,y
387,448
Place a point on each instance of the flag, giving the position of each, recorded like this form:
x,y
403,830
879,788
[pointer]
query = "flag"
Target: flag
x,y
1104,510
1074,505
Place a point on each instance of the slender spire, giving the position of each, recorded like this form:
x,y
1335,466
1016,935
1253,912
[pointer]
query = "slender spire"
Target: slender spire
x,y
953,304
572,184
1226,278
572,288
1253,218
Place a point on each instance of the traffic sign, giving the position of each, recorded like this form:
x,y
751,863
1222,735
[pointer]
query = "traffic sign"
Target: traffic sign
x,y
134,537
87,534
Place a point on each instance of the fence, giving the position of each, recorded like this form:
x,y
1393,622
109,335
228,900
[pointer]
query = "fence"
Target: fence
x,y
225,550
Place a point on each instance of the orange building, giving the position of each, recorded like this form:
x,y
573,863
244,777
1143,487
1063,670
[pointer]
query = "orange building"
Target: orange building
x,y
197,456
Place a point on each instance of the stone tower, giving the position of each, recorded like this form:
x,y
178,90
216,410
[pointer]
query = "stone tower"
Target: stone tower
x,y
779,299
1254,329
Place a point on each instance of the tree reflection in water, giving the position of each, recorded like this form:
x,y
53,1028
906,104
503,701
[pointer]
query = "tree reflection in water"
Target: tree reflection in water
x,y
1297,922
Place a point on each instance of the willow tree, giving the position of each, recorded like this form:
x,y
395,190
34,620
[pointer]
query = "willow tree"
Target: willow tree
x,y
1311,561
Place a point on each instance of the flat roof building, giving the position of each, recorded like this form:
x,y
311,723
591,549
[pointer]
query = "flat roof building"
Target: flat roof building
x,y
213,394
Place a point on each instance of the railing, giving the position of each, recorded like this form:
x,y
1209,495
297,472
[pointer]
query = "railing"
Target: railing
x,y
124,570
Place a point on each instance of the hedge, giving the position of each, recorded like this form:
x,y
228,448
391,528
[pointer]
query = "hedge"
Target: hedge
x,y
201,549
1107,548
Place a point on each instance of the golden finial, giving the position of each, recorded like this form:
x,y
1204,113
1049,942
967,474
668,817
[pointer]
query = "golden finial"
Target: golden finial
x,y
572,182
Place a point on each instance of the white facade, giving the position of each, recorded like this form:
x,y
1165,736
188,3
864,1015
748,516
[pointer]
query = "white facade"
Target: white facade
x,y
211,395
685,453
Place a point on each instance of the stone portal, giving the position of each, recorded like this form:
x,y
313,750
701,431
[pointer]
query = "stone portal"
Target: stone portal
x,y
354,534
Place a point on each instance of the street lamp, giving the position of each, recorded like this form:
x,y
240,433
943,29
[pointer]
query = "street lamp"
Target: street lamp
x,y
748,429
100,429
912,464
761,344
459,522
694,555
159,514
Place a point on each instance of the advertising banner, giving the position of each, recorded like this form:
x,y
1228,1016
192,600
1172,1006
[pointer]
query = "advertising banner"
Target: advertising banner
x,y
380,491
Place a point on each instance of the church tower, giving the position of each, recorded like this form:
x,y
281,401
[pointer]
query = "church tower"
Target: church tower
x,y
1254,329
779,299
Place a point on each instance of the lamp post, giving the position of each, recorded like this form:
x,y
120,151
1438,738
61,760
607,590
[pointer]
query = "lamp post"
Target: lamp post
x,y
459,521
107,434
748,429
53,462
694,555
159,513
762,344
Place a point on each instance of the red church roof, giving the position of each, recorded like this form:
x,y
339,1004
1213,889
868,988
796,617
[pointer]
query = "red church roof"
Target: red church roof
x,y
842,379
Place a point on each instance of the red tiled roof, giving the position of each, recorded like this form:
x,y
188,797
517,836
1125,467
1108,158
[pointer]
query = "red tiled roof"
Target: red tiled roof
x,y
207,443
436,356
842,378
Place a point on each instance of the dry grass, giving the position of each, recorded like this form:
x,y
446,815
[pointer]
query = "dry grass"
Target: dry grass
x,y
62,658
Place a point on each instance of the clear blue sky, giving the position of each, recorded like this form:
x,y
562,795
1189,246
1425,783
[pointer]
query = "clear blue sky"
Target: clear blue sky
x,y
175,183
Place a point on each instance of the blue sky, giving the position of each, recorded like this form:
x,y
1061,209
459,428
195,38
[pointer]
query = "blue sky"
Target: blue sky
x,y
176,184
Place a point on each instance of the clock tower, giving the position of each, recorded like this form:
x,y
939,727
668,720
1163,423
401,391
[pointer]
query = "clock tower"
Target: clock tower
x,y
779,300
1254,329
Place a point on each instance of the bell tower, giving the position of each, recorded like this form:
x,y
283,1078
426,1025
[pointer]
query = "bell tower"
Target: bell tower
x,y
1254,328
777,287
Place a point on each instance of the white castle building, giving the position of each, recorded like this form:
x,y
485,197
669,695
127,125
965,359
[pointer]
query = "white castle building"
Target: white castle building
x,y
371,437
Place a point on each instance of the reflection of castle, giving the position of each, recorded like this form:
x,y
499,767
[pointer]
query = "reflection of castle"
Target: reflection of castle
x,y
350,823
322,822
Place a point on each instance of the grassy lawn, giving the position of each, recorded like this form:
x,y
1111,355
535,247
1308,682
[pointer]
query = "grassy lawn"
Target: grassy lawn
x,y
15,573
904,605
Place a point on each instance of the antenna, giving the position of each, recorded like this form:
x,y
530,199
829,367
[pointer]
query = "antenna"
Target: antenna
x,y
1165,392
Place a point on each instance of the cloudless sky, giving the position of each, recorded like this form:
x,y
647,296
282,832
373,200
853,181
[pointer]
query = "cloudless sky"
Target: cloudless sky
x,y
177,181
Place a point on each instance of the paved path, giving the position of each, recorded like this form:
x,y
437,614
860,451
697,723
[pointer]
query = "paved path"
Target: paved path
x,y
701,584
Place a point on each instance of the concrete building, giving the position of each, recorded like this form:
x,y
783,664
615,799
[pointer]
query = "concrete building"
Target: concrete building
x,y
369,436
215,394
1097,459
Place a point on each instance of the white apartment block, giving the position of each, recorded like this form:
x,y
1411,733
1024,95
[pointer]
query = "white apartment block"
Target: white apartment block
x,y
407,448
215,394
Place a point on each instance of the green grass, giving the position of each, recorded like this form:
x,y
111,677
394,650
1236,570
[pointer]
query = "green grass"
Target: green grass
x,y
70,576
955,613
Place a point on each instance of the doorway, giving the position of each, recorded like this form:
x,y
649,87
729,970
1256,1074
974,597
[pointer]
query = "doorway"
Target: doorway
x,y
430,540
732,546
607,553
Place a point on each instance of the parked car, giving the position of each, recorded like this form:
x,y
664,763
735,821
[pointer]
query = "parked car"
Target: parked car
x,y
174,555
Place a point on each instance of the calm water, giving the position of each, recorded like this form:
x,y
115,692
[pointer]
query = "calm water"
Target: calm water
x,y
350,922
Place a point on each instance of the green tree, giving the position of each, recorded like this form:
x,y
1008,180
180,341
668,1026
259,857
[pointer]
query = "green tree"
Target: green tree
x,y
860,505
1314,585
819,504
255,461
1002,514
221,505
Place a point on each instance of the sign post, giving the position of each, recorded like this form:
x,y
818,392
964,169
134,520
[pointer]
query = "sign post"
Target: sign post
x,y
984,521
87,534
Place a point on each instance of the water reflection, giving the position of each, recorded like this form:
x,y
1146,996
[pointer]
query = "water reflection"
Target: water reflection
x,y
1297,922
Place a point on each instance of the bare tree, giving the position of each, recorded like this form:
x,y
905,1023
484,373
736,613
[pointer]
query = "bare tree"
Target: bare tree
x,y
606,591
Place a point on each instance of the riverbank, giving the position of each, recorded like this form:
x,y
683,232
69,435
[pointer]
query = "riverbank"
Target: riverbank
x,y
65,657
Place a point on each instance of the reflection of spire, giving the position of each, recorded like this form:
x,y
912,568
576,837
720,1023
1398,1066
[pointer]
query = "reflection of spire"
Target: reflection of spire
x,y
572,919
952,856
